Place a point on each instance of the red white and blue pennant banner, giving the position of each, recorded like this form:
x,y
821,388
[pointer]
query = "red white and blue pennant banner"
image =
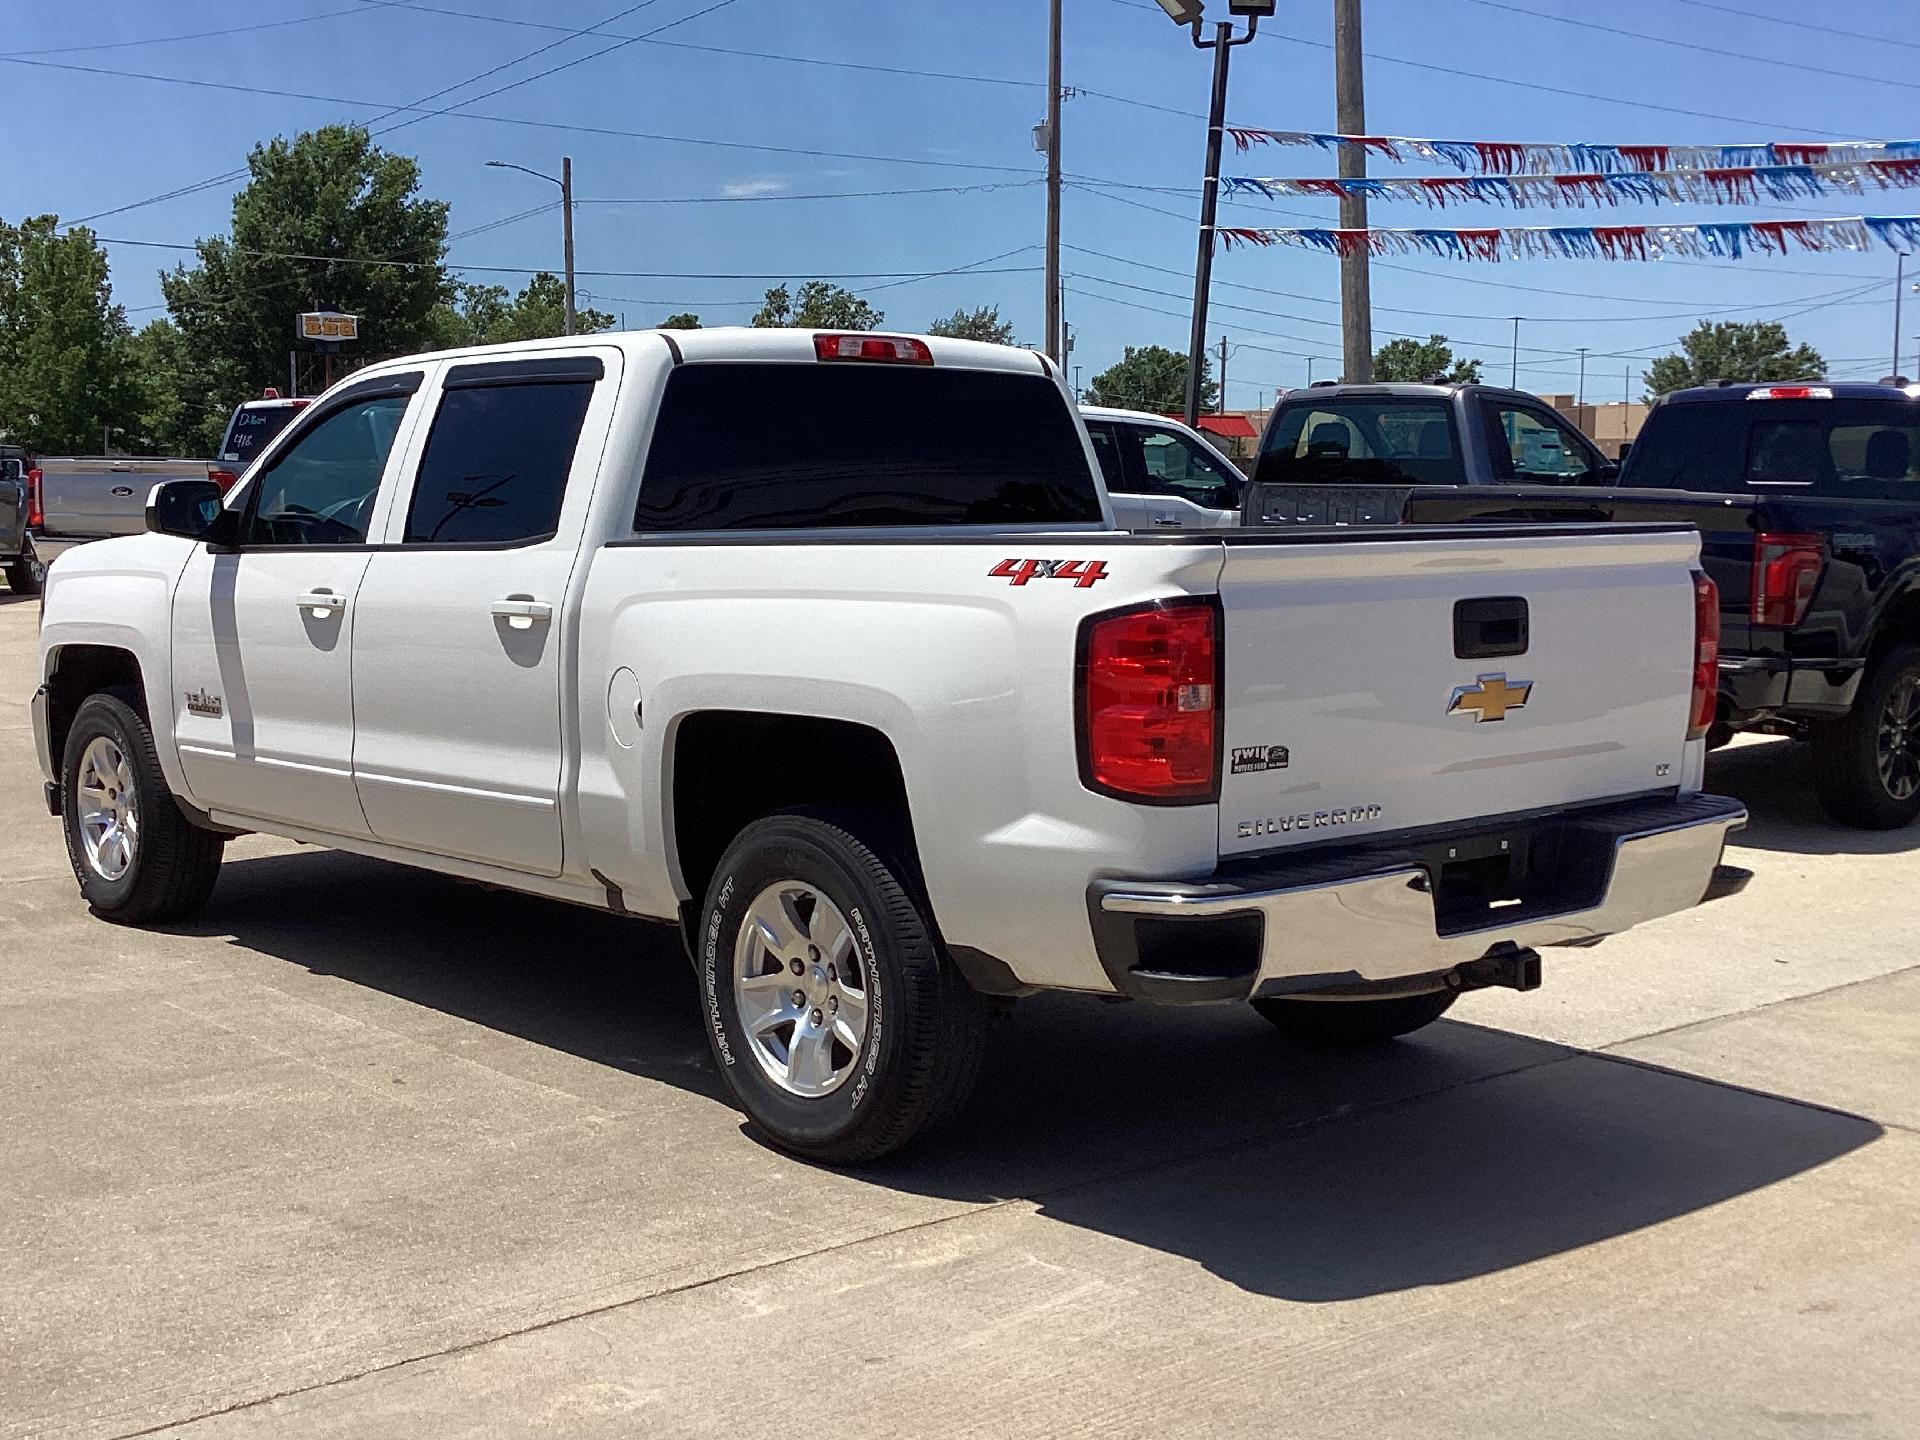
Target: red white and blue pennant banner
x,y
1502,157
1601,242
1747,185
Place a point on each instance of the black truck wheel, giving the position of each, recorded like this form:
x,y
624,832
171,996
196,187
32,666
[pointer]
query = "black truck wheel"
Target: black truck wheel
x,y
26,574
138,858
1866,764
1355,1022
838,1023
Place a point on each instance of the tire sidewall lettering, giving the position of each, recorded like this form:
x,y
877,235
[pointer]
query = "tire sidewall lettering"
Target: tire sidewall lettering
x,y
710,966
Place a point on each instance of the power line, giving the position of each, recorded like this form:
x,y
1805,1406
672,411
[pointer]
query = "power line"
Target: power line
x,y
1717,51
981,188
361,9
786,274
1749,14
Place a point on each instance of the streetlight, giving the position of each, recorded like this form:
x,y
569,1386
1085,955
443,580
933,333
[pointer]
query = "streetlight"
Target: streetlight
x,y
1191,13
565,182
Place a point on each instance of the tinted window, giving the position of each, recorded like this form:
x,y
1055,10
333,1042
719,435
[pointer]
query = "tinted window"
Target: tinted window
x,y
320,489
495,468
1367,442
1107,451
1174,464
1530,447
251,427
779,446
1862,449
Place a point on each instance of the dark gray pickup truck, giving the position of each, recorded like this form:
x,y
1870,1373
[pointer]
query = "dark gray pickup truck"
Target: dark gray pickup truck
x,y
1352,454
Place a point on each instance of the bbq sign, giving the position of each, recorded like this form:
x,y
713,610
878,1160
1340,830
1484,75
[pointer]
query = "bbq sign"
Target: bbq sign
x,y
1085,574
328,325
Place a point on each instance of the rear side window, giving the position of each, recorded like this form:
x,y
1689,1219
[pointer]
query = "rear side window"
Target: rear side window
x,y
496,464
1859,449
755,446
1364,442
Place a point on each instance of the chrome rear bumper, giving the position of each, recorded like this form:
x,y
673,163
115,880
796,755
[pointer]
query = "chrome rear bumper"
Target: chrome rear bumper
x,y
1413,906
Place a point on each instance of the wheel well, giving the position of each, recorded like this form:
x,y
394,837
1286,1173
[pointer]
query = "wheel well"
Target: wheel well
x,y
731,767
83,670
1899,624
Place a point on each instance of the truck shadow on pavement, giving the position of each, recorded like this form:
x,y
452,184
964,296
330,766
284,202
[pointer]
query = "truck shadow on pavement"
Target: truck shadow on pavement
x,y
1301,1174
1775,780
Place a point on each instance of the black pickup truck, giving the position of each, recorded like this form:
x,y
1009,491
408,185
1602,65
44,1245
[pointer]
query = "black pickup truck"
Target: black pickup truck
x,y
1807,497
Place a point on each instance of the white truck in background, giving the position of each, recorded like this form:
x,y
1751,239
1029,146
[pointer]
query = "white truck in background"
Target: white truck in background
x,y
825,646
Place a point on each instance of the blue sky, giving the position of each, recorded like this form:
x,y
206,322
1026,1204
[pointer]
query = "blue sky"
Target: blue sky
x,y
77,142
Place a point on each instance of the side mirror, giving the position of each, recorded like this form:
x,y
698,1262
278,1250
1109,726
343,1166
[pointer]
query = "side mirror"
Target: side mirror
x,y
187,508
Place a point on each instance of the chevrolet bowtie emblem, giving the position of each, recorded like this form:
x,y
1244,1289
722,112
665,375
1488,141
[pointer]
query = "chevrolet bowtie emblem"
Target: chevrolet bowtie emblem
x,y
1491,699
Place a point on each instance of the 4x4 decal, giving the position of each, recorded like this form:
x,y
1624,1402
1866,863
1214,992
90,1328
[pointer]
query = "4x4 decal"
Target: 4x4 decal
x,y
1085,574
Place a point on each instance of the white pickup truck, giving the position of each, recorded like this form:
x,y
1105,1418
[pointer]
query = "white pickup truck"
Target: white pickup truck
x,y
825,646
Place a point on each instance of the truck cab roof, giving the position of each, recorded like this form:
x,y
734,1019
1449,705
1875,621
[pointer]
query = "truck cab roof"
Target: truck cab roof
x,y
1400,390
1728,391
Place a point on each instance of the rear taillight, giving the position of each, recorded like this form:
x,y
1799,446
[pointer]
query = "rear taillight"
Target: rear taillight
x,y
887,349
36,510
1706,655
1786,572
1149,712
225,479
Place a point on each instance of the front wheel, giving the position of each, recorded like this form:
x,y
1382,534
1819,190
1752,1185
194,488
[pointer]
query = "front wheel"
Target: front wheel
x,y
1355,1022
1866,764
138,859
839,1025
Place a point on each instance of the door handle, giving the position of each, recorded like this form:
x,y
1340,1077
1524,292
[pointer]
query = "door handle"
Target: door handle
x,y
322,603
521,613
1169,520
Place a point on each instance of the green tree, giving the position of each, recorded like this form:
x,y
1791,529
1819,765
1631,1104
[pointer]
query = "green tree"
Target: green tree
x,y
326,218
682,321
1152,377
982,324
1421,360
485,315
1733,350
63,342
820,306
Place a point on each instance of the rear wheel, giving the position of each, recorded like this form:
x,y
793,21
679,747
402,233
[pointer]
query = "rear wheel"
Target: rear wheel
x,y
1355,1022
138,859
27,574
838,1023
1866,764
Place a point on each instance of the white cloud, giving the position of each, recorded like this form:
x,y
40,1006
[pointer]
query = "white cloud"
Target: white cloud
x,y
758,185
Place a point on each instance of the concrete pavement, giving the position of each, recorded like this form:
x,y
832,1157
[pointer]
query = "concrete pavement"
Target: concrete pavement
x,y
367,1152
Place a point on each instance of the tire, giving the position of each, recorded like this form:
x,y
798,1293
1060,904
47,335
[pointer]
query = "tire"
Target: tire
x,y
1355,1022
922,1026
26,575
1866,764
166,867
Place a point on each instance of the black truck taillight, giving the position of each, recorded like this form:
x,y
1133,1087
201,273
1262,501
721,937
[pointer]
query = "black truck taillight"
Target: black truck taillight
x,y
1786,571
1149,681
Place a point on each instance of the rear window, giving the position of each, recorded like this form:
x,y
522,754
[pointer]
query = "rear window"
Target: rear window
x,y
764,446
1362,442
1860,449
251,427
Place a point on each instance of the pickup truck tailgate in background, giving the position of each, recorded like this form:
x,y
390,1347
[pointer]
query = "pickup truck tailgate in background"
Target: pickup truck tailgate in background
x,y
1384,684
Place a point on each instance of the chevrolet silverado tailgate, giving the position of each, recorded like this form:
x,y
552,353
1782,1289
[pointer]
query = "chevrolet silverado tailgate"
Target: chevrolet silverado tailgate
x,y
1388,680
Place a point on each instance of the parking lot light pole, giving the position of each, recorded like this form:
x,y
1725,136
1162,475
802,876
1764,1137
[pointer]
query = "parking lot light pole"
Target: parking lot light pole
x,y
565,182
1191,14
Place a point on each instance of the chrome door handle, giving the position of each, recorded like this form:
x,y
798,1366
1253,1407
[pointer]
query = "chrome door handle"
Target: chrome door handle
x,y
322,603
1169,520
522,613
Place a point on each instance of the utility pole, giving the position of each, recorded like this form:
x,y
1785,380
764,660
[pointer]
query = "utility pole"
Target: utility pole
x,y
1223,374
1899,292
566,210
1356,284
1513,377
1582,399
1053,346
